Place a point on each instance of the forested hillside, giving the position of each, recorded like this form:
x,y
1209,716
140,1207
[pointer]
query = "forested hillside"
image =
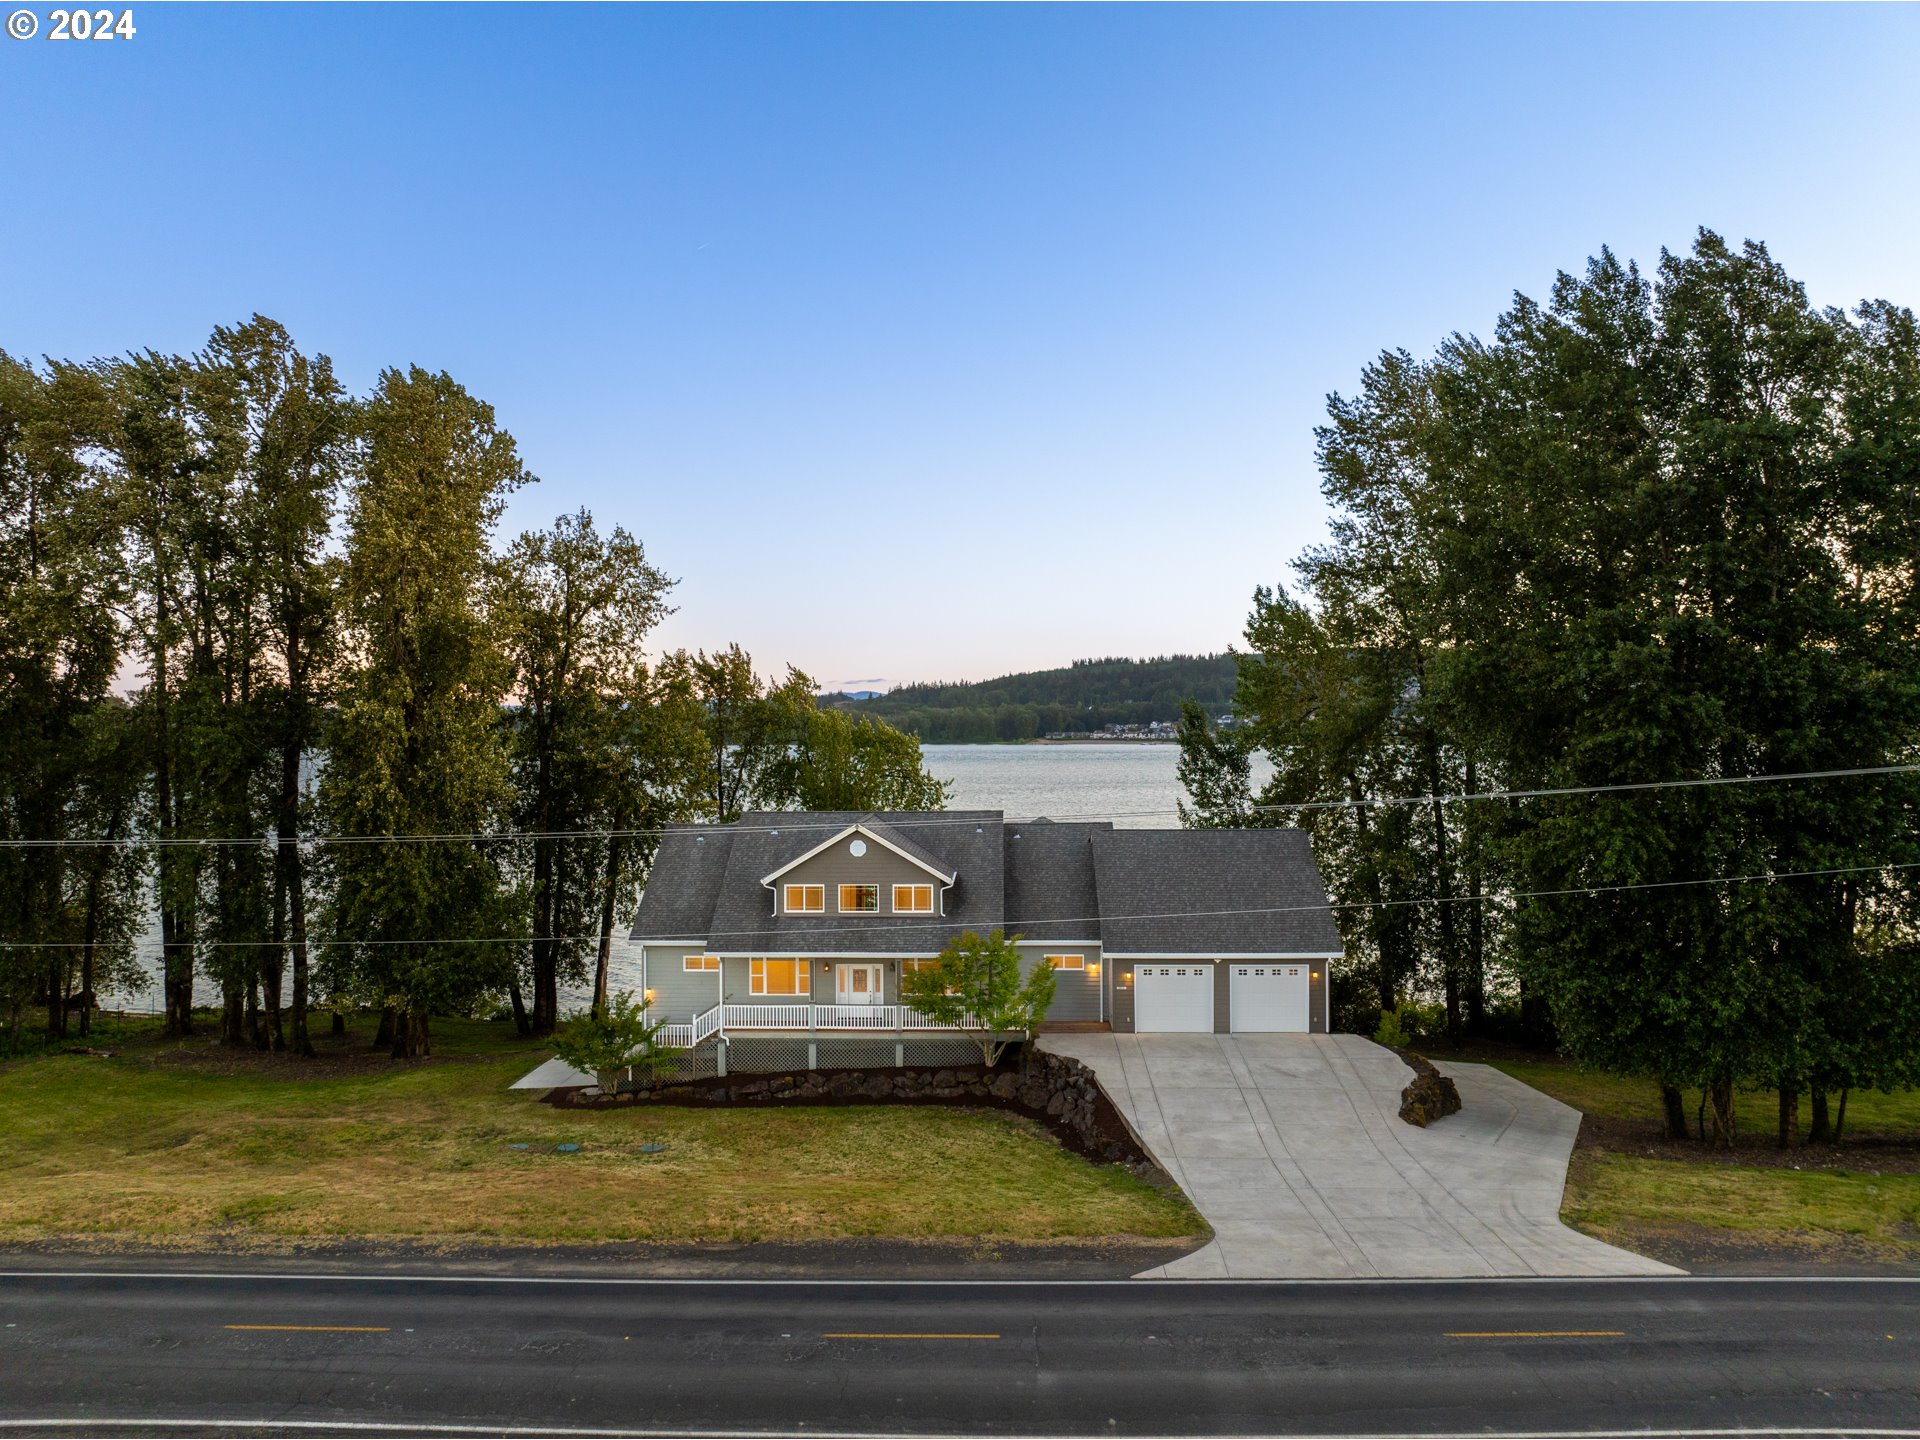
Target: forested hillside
x,y
1086,695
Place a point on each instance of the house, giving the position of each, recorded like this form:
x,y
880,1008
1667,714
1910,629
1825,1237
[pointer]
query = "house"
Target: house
x,y
800,924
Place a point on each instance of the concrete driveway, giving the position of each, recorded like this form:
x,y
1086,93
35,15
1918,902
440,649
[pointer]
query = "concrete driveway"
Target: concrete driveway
x,y
1293,1149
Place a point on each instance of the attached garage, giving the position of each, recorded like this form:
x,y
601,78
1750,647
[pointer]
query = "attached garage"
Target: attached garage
x,y
1175,997
1268,997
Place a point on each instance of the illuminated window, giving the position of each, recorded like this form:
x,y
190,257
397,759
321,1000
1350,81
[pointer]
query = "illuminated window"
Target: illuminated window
x,y
913,899
1067,962
779,977
859,897
703,962
806,899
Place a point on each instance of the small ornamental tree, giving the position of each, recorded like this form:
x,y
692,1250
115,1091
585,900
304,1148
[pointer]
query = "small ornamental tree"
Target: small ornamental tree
x,y
622,1037
975,985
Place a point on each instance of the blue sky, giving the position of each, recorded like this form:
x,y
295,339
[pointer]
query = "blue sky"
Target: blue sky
x,y
927,342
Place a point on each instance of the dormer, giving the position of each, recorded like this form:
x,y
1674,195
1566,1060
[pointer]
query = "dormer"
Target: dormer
x,y
864,869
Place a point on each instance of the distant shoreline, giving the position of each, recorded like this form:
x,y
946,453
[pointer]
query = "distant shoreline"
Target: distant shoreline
x,y
1089,740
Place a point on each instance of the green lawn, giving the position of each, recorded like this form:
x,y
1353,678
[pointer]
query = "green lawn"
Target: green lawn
x,y
134,1150
1833,1202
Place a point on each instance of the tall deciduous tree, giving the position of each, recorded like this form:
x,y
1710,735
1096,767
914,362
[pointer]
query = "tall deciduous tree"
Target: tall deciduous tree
x,y
574,610
60,644
417,752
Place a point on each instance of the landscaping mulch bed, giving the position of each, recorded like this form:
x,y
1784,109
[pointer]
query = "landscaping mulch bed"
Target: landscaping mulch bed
x,y
1870,1154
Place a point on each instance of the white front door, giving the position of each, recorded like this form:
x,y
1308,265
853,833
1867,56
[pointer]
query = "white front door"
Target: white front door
x,y
1173,997
857,984
1270,997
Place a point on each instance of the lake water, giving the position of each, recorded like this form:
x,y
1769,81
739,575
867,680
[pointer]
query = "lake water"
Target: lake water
x,y
1132,784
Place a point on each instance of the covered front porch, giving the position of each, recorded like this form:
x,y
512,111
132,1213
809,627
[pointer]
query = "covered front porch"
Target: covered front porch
x,y
795,1019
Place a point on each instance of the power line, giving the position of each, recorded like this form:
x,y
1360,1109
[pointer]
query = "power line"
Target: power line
x,y
939,926
1596,789
267,840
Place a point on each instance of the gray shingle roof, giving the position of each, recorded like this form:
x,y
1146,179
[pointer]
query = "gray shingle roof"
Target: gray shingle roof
x,y
1050,890
962,842
1211,892
1192,892
684,884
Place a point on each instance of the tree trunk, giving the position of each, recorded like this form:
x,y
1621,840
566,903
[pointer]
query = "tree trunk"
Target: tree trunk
x,y
1385,989
256,1022
411,1040
521,1025
339,1028
383,1037
610,884
1476,977
1443,881
1673,1105
1721,1095
233,1005
56,999
1789,1116
293,876
1840,1120
1821,1131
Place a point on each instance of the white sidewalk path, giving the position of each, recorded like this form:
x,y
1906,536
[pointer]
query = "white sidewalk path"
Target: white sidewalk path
x,y
1292,1147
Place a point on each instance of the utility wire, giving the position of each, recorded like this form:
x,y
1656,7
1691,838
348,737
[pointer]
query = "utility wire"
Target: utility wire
x,y
267,840
1595,789
945,926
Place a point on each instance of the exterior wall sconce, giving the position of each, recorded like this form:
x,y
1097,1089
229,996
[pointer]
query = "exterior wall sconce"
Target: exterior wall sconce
x,y
647,996
1315,974
1127,979
1093,971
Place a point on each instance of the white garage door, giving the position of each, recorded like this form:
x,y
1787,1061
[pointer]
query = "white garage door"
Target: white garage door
x,y
1173,997
1270,997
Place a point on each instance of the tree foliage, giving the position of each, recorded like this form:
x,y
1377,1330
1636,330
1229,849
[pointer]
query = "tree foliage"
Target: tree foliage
x,y
975,984
1654,530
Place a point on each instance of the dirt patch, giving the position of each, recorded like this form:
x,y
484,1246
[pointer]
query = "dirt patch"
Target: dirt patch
x,y
335,1057
1867,1155
933,1259
1705,1250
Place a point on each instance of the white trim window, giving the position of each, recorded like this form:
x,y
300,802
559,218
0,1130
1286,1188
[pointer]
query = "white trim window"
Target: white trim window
x,y
780,977
859,899
913,899
1066,962
805,899
701,962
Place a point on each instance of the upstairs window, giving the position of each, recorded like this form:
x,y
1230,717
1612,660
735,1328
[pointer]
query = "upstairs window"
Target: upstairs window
x,y
780,977
703,962
1067,962
913,899
859,897
807,899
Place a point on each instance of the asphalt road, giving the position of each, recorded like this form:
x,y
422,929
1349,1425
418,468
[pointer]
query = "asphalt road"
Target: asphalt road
x,y
232,1354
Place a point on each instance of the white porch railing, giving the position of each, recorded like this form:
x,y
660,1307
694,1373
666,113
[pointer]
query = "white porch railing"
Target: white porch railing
x,y
678,1036
887,1018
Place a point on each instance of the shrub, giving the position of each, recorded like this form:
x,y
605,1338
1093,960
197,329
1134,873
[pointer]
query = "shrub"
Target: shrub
x,y
625,1037
1391,1032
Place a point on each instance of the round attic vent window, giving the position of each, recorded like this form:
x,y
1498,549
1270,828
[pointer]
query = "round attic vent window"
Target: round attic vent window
x,y
858,847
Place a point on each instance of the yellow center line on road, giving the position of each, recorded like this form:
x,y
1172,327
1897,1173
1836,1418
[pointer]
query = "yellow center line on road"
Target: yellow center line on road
x,y
1529,1334
338,1329
899,1335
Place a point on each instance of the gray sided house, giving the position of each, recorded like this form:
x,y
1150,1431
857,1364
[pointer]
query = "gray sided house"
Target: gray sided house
x,y
796,922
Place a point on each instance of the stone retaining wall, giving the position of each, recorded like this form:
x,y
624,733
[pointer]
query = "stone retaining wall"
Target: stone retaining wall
x,y
1056,1090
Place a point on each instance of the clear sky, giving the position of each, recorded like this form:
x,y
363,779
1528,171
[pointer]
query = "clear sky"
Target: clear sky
x,y
926,342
